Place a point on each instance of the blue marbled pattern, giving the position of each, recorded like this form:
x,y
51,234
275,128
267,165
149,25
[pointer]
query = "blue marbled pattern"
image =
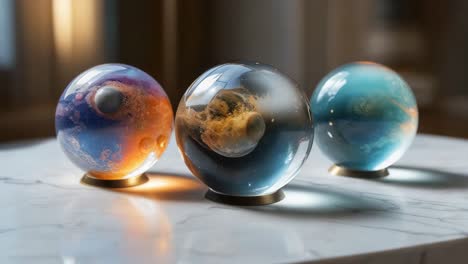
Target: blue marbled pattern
x,y
366,116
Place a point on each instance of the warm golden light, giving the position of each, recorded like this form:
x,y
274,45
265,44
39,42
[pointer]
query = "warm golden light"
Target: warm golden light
x,y
78,30
168,187
88,29
167,183
62,25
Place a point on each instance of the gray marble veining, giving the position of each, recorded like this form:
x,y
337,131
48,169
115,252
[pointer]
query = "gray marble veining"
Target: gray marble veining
x,y
419,214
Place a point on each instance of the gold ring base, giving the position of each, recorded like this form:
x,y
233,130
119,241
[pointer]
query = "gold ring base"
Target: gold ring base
x,y
245,200
120,183
341,171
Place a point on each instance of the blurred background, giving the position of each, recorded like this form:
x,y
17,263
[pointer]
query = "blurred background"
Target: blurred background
x,y
44,44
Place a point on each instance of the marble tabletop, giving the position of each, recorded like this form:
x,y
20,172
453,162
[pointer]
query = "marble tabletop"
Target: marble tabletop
x,y
418,214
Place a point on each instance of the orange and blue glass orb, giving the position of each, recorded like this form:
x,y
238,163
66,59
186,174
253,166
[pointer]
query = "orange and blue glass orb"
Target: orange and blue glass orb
x,y
114,121
365,115
244,129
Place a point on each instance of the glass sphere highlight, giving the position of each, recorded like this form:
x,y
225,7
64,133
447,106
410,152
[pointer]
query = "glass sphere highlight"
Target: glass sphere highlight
x,y
366,116
244,129
113,121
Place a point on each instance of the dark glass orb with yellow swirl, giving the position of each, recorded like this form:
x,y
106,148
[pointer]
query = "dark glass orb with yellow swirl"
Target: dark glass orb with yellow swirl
x,y
244,129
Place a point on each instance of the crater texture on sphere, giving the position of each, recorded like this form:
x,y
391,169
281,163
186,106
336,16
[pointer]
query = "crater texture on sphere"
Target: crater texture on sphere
x,y
113,121
365,115
244,129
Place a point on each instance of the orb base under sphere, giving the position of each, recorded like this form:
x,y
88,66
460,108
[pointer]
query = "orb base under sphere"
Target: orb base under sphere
x,y
120,183
342,171
245,200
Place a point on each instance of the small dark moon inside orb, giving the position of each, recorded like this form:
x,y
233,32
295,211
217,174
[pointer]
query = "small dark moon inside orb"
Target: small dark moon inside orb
x,y
108,99
255,127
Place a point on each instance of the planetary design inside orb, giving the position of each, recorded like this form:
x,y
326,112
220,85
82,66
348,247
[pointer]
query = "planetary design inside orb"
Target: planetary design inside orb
x,y
244,129
366,116
114,121
229,125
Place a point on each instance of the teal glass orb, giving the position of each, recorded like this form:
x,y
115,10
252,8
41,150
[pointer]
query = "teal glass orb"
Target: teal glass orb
x,y
365,116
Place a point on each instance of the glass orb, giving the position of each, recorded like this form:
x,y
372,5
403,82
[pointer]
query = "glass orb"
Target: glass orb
x,y
366,116
113,121
244,129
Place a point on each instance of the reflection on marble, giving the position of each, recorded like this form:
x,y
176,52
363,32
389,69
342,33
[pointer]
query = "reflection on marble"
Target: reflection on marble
x,y
48,217
255,240
135,226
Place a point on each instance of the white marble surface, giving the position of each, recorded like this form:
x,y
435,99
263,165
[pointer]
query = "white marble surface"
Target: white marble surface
x,y
412,216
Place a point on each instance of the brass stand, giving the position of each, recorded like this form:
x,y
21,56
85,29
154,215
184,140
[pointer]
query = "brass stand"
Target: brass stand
x,y
340,171
245,200
120,183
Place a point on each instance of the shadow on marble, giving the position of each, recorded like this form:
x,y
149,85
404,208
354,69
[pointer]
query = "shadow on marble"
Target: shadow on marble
x,y
417,177
319,201
168,186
